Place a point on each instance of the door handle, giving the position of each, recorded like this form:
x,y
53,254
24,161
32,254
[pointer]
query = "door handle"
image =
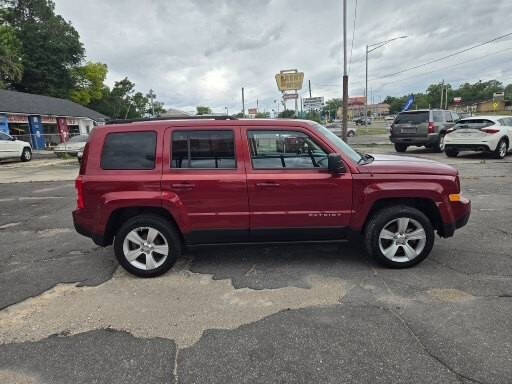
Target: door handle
x,y
183,185
267,185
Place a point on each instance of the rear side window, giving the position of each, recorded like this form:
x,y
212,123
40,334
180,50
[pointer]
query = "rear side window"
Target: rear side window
x,y
437,116
448,117
474,123
203,150
129,151
412,118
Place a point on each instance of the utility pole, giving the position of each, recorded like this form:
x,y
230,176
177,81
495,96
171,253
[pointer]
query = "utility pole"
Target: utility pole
x,y
366,90
345,75
442,94
309,81
446,98
152,96
243,103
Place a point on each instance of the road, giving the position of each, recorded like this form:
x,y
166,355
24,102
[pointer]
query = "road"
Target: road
x,y
287,314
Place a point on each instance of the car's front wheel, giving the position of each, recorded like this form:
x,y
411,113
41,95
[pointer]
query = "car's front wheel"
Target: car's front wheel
x,y
147,245
26,155
399,236
450,152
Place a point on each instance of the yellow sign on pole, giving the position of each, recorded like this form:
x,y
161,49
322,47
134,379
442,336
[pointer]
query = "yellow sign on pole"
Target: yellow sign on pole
x,y
495,106
289,81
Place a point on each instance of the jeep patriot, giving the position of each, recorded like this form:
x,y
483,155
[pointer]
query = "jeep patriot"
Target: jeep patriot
x,y
154,187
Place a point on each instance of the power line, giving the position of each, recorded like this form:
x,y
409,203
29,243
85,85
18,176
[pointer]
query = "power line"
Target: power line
x,y
447,67
353,37
447,57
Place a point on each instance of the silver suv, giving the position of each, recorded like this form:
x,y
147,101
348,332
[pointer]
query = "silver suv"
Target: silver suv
x,y
422,127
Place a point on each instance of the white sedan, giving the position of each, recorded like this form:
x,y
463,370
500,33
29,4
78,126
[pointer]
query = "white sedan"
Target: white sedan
x,y
10,148
491,134
72,146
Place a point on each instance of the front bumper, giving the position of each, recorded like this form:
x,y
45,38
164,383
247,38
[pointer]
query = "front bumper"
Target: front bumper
x,y
461,212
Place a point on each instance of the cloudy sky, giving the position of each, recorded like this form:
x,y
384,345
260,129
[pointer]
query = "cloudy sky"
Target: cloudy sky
x,y
201,52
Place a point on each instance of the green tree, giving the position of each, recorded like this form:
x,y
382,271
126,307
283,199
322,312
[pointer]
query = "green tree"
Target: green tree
x,y
508,92
11,67
88,83
263,115
51,47
202,110
287,114
332,106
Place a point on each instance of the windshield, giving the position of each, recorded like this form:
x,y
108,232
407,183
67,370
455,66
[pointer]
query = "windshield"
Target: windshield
x,y
78,139
337,142
412,118
474,123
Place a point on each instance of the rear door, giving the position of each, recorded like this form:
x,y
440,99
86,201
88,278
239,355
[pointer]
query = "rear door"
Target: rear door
x,y
292,196
204,181
449,121
411,124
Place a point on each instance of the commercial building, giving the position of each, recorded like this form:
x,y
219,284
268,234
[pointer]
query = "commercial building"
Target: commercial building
x,y
44,121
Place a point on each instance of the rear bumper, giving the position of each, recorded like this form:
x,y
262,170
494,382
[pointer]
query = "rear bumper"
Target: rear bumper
x,y
430,139
82,228
469,147
462,213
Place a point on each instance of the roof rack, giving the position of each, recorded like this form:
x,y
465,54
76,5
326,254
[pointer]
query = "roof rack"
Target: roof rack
x,y
200,117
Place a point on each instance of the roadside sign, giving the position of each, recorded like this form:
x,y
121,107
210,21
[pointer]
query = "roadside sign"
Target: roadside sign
x,y
313,102
289,81
290,96
457,100
252,111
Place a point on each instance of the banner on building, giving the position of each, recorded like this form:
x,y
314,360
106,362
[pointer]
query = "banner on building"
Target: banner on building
x,y
36,132
4,123
62,126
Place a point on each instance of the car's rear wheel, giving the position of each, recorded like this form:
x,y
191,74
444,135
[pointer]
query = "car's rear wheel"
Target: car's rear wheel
x,y
439,145
399,236
401,148
26,155
147,245
450,152
501,149
351,133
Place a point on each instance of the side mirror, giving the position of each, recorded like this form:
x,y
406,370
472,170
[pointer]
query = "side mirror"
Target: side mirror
x,y
13,138
335,164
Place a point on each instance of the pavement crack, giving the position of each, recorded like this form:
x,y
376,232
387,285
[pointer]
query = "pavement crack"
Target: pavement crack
x,y
460,376
470,275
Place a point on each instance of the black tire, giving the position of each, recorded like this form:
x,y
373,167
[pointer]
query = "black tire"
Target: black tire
x,y
26,155
351,133
401,147
167,230
438,147
381,219
450,152
501,149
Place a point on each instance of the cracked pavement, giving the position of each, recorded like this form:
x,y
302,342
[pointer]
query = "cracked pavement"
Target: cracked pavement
x,y
288,314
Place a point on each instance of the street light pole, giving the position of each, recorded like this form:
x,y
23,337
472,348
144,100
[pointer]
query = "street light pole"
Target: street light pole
x,y
368,50
345,75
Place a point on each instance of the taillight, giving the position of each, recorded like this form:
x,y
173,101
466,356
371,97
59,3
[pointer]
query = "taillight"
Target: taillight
x,y
79,186
83,162
431,127
490,131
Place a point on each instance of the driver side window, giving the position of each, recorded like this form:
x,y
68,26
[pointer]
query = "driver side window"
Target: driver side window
x,y
285,150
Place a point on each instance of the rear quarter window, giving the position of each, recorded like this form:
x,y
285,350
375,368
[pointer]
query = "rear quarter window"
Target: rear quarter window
x,y
129,151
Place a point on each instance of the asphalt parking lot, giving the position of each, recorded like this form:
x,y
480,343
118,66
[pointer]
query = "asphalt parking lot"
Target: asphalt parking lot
x,y
281,314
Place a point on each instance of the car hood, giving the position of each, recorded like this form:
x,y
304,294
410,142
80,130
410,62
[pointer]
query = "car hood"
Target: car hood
x,y
22,142
387,164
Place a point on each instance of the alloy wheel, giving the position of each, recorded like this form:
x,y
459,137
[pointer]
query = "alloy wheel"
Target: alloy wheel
x,y
145,248
402,239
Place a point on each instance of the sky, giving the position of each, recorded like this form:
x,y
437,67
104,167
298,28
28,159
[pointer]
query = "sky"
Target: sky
x,y
202,52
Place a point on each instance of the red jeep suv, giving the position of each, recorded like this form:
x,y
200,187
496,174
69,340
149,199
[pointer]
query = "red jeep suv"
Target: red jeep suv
x,y
154,187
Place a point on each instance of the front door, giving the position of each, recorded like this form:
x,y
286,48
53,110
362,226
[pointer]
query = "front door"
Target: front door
x,y
205,184
292,196
8,148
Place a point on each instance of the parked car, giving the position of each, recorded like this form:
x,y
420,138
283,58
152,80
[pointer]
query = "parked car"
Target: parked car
x,y
337,128
492,134
390,117
361,121
423,127
11,148
79,155
72,146
153,188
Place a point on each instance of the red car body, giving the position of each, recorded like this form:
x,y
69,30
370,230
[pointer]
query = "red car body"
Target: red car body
x,y
246,204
